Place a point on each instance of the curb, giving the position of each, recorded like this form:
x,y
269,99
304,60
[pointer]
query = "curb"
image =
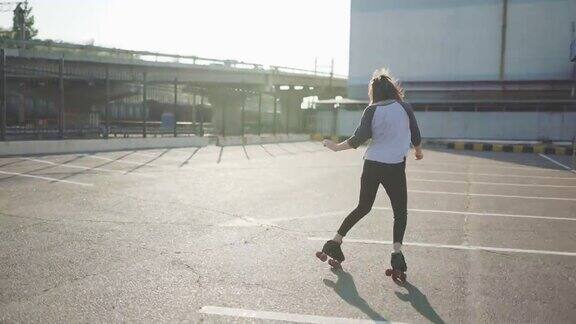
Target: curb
x,y
510,148
320,137
254,139
479,146
72,146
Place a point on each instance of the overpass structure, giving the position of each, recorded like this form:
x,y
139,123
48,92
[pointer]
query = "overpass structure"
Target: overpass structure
x,y
61,87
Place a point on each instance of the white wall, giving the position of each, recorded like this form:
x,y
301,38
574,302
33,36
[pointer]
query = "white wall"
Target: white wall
x,y
538,39
557,126
96,145
459,40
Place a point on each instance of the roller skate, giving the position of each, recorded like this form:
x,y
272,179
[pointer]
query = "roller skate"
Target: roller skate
x,y
331,249
398,271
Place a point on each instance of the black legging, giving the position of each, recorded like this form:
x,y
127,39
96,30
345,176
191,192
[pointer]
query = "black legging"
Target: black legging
x,y
393,179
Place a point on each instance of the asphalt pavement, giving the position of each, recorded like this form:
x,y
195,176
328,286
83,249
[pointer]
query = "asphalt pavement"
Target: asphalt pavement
x,y
229,234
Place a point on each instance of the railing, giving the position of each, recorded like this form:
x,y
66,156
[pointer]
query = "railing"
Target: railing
x,y
149,56
55,117
115,130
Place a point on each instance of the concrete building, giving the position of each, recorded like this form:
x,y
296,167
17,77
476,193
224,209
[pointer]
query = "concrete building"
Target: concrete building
x,y
481,69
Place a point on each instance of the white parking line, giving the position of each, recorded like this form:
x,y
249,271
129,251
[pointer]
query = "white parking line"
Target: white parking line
x,y
280,316
490,195
557,163
80,167
492,174
46,178
327,214
455,247
120,161
255,222
451,212
490,165
166,158
493,183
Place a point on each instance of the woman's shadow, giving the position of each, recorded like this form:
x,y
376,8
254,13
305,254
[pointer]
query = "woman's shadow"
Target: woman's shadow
x,y
420,303
346,289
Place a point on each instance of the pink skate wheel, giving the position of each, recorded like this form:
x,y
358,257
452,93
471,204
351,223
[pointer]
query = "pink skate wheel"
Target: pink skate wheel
x,y
388,272
334,264
399,278
322,256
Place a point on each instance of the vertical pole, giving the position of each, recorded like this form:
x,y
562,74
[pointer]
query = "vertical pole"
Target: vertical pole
x,y
144,105
274,116
331,73
573,80
22,17
3,95
242,114
202,114
287,109
334,122
503,39
315,65
224,105
61,111
175,107
574,153
259,113
107,103
193,119
573,91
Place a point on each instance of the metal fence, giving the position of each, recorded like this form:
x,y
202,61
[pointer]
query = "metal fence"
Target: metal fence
x,y
56,95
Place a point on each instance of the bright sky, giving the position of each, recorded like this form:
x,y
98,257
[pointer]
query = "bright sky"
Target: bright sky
x,y
279,32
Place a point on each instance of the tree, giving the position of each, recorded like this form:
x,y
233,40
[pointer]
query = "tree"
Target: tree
x,y
23,22
5,33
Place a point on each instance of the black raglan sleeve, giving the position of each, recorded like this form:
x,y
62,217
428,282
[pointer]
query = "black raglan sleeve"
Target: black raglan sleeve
x,y
364,130
414,130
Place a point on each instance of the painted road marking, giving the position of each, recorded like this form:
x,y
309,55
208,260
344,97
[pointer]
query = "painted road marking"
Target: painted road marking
x,y
493,174
451,212
46,178
494,183
556,162
280,316
119,161
251,222
327,214
255,222
455,247
80,167
167,158
531,167
490,195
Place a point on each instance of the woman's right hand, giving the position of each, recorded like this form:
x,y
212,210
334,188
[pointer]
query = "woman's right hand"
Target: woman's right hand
x,y
329,144
418,153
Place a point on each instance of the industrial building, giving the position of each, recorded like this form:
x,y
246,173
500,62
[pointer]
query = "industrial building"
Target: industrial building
x,y
474,69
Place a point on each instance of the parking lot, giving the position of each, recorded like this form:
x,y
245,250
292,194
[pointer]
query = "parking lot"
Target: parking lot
x,y
229,233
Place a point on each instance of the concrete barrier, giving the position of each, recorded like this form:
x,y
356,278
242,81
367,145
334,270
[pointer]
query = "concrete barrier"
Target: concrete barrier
x,y
264,139
503,146
96,145
480,125
230,141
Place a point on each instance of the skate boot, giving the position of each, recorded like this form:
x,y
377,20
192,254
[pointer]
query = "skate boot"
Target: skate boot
x,y
333,250
398,271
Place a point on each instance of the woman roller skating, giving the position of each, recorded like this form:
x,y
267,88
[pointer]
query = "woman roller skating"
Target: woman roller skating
x,y
390,123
